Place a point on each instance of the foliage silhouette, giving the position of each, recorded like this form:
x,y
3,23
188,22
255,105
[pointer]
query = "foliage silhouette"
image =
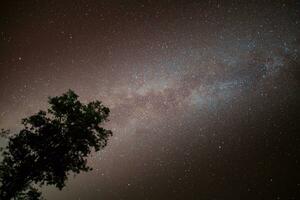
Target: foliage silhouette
x,y
51,145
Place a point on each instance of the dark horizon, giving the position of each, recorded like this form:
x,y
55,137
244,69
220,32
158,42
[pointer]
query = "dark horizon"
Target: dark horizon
x,y
204,95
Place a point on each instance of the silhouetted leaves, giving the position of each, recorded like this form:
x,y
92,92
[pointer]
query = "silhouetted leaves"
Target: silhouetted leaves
x,y
51,145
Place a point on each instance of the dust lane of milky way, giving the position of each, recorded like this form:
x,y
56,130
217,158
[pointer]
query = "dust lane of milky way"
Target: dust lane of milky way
x,y
203,95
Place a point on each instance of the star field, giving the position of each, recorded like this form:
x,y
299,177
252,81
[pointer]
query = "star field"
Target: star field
x,y
204,95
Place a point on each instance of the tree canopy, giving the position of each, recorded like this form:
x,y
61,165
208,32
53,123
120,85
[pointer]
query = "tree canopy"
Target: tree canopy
x,y
52,144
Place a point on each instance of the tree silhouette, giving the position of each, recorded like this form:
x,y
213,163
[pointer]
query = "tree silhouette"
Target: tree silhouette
x,y
51,145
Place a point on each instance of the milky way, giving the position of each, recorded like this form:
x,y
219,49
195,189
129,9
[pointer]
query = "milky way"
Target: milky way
x,y
204,96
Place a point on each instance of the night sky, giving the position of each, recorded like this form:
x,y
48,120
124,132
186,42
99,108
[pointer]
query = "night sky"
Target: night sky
x,y
204,95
